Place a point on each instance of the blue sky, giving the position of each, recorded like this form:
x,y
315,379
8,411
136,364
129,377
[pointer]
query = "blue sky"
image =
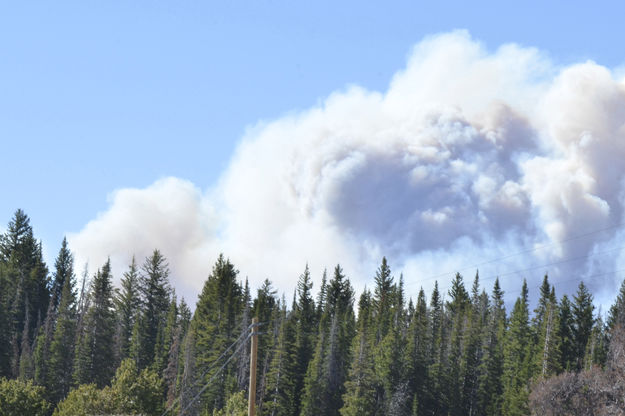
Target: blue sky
x,y
98,96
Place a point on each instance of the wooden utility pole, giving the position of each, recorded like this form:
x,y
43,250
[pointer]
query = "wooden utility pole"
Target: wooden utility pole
x,y
251,401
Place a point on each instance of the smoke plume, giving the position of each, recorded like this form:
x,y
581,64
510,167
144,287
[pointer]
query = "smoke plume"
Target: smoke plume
x,y
472,159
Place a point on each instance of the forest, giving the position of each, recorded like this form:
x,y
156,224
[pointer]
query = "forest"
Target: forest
x,y
78,345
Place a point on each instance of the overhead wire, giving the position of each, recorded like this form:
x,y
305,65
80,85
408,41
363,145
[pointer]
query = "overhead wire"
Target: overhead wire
x,y
212,365
518,253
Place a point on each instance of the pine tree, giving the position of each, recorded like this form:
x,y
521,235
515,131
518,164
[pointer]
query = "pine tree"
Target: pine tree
x,y
166,339
393,394
516,356
543,304
279,398
127,304
327,372
42,347
418,354
155,292
94,351
565,334
5,327
383,293
214,328
583,322
267,309
437,403
26,277
62,346
597,347
243,358
457,306
26,364
306,322
359,398
491,369
472,351
26,283
548,347
175,364
322,295
616,314
64,269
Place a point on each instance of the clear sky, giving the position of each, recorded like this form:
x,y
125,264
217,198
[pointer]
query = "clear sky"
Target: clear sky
x,y
98,96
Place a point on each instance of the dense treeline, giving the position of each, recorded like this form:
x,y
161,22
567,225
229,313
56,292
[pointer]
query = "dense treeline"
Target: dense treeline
x,y
73,346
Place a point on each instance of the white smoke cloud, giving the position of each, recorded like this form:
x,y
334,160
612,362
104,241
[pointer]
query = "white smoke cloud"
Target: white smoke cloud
x,y
469,156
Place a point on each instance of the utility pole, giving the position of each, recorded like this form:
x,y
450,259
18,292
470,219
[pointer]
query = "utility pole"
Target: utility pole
x,y
251,401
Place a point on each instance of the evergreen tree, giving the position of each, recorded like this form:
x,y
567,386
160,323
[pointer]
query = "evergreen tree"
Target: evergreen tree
x,y
62,346
382,299
155,292
544,301
597,347
279,398
63,269
94,351
166,339
457,306
5,327
583,322
516,359
361,391
418,343
548,348
267,310
491,369
243,358
175,364
25,277
437,403
214,328
327,372
322,295
42,346
127,306
306,322
472,351
26,363
565,335
393,391
616,314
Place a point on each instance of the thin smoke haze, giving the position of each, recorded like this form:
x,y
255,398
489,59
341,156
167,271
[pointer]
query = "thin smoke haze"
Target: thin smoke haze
x,y
469,156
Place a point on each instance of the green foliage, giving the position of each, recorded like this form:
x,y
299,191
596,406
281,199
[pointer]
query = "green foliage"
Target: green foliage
x,y
127,306
19,398
280,397
517,359
360,396
85,400
62,346
95,352
454,356
214,327
583,321
327,372
236,405
131,392
155,295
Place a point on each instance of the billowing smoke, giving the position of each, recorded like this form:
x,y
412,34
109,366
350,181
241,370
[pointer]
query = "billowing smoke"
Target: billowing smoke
x,y
471,159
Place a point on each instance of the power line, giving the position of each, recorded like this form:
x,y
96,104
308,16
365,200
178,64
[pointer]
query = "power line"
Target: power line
x,y
518,253
567,260
214,375
217,360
